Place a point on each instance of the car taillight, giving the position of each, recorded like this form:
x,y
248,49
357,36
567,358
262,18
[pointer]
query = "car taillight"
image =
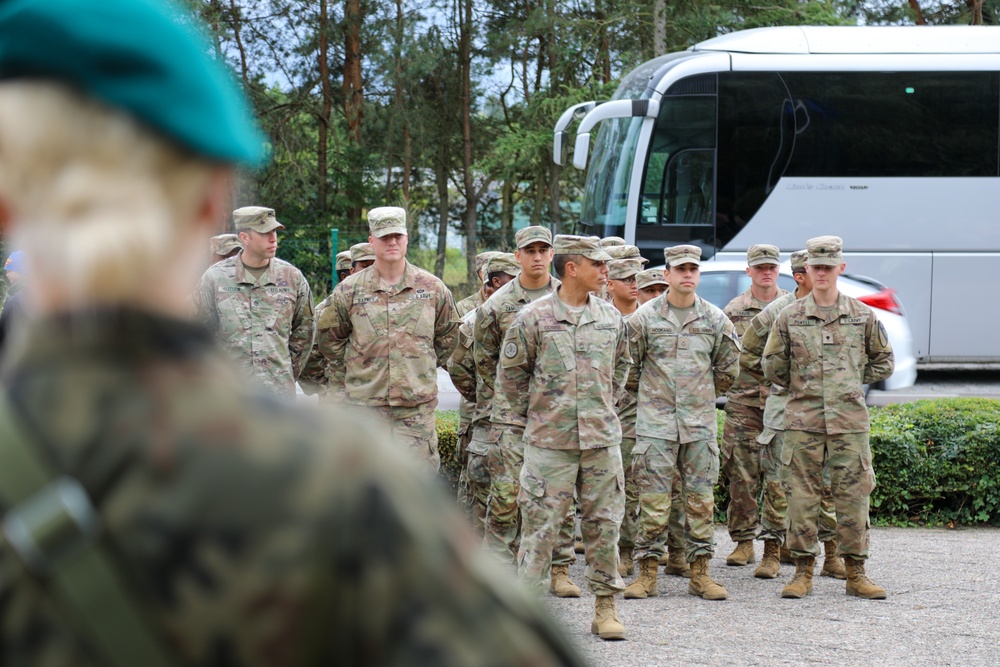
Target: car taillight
x,y
884,300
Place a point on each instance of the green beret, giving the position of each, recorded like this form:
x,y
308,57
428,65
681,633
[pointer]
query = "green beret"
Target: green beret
x,y
136,56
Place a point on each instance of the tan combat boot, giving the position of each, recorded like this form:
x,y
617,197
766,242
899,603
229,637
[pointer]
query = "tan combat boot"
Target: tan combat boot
x,y
676,564
626,564
858,583
801,584
833,564
743,554
785,556
645,585
561,585
606,623
701,584
770,566
664,559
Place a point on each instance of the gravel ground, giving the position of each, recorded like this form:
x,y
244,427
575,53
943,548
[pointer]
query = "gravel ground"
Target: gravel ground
x,y
943,597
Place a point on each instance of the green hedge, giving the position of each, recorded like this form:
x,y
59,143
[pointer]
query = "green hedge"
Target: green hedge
x,y
937,462
447,429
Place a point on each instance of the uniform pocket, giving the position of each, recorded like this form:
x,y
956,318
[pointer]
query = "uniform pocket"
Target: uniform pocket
x,y
867,481
786,454
531,484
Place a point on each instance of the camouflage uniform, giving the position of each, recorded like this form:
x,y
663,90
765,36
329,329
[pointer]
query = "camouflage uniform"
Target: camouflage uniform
x,y
266,324
742,454
229,543
497,436
383,345
470,303
823,362
473,481
560,375
682,368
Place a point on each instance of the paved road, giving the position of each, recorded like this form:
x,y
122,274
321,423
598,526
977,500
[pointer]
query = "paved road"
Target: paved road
x,y
941,610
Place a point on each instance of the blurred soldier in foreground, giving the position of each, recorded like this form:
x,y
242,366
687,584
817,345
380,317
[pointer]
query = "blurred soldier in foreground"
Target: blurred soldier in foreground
x,y
224,246
823,348
686,355
260,307
563,367
741,453
384,331
13,305
156,510
474,478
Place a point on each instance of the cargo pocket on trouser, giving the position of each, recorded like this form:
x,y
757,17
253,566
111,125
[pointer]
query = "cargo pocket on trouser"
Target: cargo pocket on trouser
x,y
867,482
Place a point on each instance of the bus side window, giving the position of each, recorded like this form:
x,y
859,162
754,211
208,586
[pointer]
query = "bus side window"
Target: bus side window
x,y
687,189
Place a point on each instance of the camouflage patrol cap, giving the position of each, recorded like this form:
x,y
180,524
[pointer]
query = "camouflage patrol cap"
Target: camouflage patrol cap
x,y
763,253
682,254
362,252
257,218
386,220
649,277
611,241
620,269
533,234
483,258
799,261
343,261
588,246
626,252
825,251
223,244
503,262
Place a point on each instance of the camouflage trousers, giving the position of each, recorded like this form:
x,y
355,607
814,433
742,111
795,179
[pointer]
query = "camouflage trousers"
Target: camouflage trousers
x,y
656,465
549,480
827,526
477,472
630,525
752,466
415,429
848,458
503,515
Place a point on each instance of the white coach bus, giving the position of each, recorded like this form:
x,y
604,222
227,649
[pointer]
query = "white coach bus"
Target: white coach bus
x,y
885,136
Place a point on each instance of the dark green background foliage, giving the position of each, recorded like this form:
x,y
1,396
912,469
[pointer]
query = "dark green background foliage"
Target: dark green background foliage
x,y
447,428
937,462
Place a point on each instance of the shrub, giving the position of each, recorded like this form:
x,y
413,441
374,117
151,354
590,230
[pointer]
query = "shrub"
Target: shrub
x,y
447,430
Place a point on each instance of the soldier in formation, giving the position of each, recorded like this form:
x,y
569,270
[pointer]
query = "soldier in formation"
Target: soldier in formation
x,y
384,331
823,348
342,265
741,452
562,368
478,297
686,355
224,246
259,307
200,521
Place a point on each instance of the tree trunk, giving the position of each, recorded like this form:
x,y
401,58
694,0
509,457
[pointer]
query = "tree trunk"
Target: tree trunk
x,y
327,108
506,215
918,15
239,45
468,180
353,106
976,9
441,178
660,27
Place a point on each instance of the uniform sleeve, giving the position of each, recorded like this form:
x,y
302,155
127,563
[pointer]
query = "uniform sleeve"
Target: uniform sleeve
x,y
461,366
300,342
513,381
333,328
486,347
776,361
312,379
635,332
623,364
881,359
205,307
752,344
446,323
725,358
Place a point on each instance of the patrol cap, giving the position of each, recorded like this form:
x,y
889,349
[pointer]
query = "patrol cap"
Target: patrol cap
x,y
138,56
503,262
763,253
588,246
825,251
15,262
343,261
610,241
799,261
483,258
650,277
386,220
533,234
362,252
258,218
619,269
682,254
223,244
626,252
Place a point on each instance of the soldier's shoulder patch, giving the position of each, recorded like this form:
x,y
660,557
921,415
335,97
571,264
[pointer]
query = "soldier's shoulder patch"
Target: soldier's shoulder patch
x,y
510,350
